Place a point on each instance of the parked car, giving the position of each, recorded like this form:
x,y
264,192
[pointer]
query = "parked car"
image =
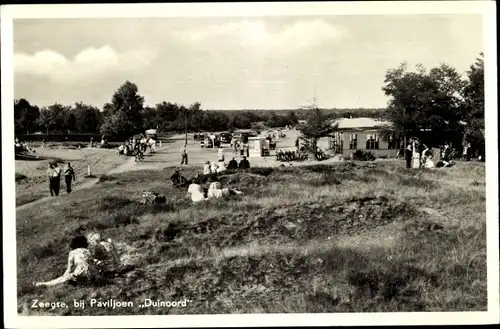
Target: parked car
x,y
225,137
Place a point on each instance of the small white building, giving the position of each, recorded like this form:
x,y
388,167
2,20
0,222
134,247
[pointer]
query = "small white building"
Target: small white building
x,y
256,146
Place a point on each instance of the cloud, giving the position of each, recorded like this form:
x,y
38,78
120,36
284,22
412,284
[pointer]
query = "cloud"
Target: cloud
x,y
257,35
89,63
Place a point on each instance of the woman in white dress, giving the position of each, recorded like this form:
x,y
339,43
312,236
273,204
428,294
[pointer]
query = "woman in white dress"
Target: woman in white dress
x,y
415,161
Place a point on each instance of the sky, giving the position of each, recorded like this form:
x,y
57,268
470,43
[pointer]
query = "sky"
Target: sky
x,y
234,63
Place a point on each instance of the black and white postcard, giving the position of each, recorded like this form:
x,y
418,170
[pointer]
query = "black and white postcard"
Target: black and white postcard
x,y
249,164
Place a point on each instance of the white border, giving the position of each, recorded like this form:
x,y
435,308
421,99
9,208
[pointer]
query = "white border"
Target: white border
x,y
486,8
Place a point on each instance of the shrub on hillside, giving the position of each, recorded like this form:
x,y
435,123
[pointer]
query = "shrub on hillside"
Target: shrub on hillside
x,y
362,155
106,178
262,171
19,177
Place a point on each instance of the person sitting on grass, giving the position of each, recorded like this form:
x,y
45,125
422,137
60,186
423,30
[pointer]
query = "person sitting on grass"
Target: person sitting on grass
x,y
105,255
196,193
221,167
232,164
427,162
178,180
213,167
80,267
244,163
206,168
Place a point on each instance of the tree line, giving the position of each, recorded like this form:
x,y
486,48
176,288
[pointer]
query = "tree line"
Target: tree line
x,y
126,114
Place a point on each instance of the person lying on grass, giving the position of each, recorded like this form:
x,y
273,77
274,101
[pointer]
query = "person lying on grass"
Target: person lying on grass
x,y
445,164
80,268
216,191
105,255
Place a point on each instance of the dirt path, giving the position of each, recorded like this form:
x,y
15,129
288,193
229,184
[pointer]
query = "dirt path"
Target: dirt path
x,y
86,184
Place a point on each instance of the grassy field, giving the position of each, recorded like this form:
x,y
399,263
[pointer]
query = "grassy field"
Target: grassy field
x,y
348,237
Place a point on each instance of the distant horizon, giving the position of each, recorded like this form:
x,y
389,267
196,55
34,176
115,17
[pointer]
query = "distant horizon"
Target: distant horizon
x,y
219,109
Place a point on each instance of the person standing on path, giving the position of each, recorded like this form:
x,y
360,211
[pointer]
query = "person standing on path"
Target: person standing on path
x,y
184,154
56,179
69,175
50,171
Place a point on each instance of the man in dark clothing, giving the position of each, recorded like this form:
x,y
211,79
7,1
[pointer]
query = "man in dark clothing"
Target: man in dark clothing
x,y
69,175
232,164
244,164
178,180
408,156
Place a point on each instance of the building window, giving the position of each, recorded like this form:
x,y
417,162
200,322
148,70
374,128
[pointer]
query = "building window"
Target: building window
x,y
353,141
372,141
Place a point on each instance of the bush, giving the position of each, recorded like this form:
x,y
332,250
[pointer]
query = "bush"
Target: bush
x,y
19,177
362,155
106,178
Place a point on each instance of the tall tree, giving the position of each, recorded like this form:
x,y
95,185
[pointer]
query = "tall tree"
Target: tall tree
x,y
424,104
25,117
291,118
474,105
126,110
318,125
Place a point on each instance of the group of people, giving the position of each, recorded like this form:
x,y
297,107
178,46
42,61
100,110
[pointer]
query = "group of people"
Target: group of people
x,y
296,154
420,156
137,146
240,148
220,166
214,191
21,146
54,178
210,170
91,258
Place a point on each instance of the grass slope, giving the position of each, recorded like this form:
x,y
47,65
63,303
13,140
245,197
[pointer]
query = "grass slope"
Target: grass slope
x,y
350,237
